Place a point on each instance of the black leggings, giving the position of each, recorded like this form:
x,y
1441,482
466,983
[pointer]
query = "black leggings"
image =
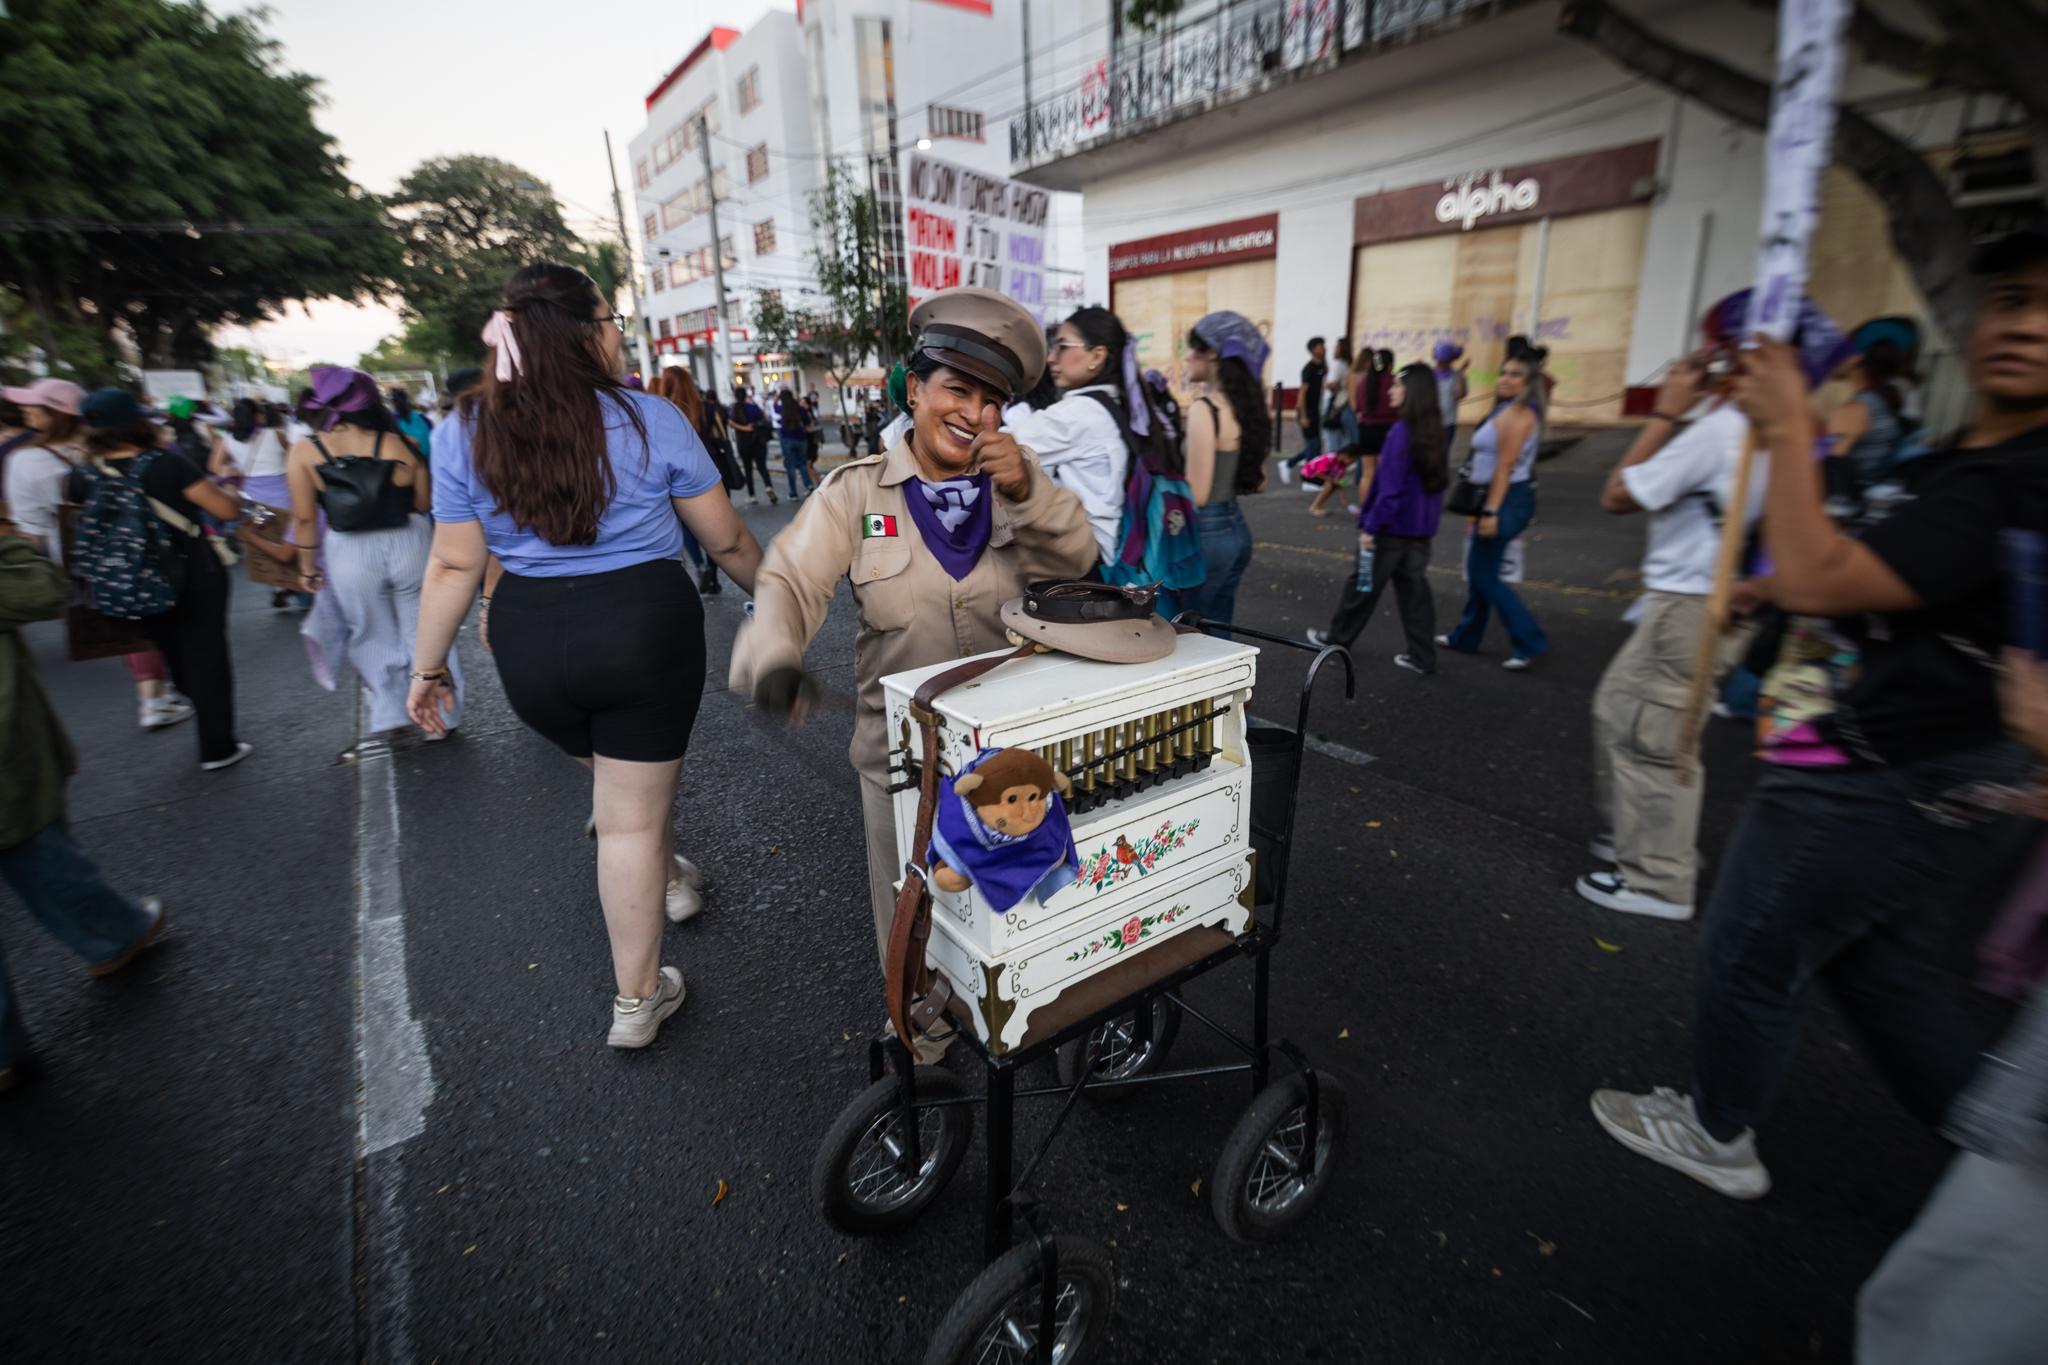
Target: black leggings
x,y
193,637
753,456
605,664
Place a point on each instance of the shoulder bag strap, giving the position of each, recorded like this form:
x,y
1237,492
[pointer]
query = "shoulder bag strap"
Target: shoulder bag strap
x,y
911,1001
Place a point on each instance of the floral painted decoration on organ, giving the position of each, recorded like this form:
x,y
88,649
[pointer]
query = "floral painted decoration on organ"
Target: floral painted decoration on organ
x,y
1113,864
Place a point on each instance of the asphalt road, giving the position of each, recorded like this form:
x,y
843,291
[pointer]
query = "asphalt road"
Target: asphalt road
x,y
193,1179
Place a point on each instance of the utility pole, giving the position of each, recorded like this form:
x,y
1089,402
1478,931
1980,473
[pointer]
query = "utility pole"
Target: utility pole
x,y
721,345
632,275
1024,11
882,352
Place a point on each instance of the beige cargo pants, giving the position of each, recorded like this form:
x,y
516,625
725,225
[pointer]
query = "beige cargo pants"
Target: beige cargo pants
x,y
1637,713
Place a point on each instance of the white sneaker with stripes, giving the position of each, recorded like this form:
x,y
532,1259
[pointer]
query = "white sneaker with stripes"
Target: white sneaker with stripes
x,y
1663,1127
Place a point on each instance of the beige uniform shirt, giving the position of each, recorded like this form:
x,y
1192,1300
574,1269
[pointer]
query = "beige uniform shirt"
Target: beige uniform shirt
x,y
912,612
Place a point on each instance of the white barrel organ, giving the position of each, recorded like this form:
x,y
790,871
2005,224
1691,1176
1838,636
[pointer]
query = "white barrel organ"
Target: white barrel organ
x,y
1161,813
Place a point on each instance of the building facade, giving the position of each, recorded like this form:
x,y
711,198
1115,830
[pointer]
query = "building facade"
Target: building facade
x,y
1409,171
748,92
860,83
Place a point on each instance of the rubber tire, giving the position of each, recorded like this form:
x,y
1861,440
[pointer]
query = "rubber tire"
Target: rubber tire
x,y
829,1185
1165,1028
1010,1274
1228,1198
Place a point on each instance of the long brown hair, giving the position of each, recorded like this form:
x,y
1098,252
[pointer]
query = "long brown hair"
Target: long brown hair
x,y
539,445
679,388
1423,415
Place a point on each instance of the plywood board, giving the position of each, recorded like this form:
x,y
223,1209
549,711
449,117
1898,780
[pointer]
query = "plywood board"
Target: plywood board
x,y
1158,310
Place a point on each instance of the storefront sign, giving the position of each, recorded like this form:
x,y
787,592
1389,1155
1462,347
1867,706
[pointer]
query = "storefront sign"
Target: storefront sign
x,y
1800,139
1247,239
1497,196
962,226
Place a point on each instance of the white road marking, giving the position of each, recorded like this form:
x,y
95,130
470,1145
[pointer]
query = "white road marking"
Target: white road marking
x,y
397,1076
394,1072
1356,757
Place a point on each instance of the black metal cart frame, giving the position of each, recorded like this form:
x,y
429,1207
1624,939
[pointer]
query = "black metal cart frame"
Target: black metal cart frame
x,y
1005,1199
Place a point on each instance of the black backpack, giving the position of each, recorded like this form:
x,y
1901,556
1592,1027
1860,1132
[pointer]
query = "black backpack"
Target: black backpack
x,y
361,492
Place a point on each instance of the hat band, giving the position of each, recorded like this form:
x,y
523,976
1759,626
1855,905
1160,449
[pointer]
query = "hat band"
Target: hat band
x,y
975,346
1079,603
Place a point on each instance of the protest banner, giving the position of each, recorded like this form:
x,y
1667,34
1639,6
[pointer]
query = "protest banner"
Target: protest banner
x,y
1797,148
966,227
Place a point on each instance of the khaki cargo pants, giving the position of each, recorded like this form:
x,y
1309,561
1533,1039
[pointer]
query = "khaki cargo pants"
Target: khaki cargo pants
x,y
1637,712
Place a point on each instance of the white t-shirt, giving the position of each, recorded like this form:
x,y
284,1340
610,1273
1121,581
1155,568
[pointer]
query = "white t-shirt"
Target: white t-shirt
x,y
1080,448
35,490
1685,487
259,456
1337,386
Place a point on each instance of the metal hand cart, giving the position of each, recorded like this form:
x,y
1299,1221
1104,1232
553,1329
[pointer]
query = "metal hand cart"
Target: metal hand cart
x,y
1047,1297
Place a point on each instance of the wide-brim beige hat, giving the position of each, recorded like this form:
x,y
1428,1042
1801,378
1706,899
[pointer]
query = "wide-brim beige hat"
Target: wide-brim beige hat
x,y
1091,621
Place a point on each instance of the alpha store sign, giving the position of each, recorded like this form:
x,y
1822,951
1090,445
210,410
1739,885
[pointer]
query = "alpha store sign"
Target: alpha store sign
x,y
1498,196
1246,239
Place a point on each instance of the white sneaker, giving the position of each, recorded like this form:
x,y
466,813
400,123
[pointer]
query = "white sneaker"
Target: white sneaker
x,y
242,751
1444,642
1285,471
1720,711
685,884
634,1022
165,711
1318,638
1407,661
1516,663
1601,846
1612,890
1663,1127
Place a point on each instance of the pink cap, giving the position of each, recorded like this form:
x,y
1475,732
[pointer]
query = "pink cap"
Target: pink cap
x,y
59,395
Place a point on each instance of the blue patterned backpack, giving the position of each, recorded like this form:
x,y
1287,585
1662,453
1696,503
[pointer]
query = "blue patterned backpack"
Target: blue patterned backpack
x,y
121,547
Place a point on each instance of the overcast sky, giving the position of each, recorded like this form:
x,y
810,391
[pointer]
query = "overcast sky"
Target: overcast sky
x,y
536,82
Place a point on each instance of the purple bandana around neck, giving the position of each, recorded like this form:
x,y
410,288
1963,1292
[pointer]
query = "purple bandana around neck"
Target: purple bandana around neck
x,y
1005,868
958,550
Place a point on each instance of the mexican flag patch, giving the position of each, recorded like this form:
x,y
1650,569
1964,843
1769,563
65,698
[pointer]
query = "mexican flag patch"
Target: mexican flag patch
x,y
875,524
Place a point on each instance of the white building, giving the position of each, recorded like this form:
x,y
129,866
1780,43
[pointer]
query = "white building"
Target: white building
x,y
750,91
860,82
1404,171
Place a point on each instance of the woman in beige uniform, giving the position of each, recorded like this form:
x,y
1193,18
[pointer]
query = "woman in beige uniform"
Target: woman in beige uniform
x,y
935,534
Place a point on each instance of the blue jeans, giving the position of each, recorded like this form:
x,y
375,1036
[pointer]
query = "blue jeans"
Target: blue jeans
x,y
1485,593
796,460
59,883
1226,553
1311,445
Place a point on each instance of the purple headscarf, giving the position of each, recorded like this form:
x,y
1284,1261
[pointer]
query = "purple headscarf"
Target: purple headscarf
x,y
338,389
1821,345
1233,335
1447,351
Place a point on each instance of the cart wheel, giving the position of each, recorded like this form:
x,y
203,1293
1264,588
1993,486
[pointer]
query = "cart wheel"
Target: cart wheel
x,y
1118,1053
856,1180
995,1319
1264,1184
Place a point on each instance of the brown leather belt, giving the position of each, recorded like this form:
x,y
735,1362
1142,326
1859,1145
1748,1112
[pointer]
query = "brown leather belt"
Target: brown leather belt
x,y
915,995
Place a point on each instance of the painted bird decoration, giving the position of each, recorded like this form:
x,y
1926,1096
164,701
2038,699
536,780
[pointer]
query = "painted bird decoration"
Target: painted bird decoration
x,y
1127,855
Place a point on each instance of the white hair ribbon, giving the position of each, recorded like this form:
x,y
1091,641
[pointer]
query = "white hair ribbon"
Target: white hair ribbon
x,y
499,335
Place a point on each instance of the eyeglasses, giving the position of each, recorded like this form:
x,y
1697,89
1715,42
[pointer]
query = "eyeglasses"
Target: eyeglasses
x,y
1068,344
614,319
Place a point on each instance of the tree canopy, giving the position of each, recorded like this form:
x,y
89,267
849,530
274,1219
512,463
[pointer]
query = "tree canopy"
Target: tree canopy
x,y
470,222
164,174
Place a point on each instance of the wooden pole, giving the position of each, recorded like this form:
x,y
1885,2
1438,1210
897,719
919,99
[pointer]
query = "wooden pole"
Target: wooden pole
x,y
1734,530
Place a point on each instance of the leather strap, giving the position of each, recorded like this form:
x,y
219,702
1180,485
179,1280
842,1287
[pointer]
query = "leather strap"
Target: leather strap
x,y
915,996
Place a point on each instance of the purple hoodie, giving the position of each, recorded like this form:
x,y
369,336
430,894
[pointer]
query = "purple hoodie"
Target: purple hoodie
x,y
1396,505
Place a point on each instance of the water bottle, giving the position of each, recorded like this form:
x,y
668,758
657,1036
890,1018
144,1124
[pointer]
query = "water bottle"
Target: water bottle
x,y
1364,570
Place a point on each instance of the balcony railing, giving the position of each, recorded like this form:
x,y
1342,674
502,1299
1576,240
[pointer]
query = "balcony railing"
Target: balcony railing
x,y
1229,51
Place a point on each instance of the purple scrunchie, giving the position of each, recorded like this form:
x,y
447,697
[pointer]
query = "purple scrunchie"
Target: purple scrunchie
x,y
338,389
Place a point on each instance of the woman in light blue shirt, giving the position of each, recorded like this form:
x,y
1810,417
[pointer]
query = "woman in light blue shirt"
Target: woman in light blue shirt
x,y
1504,459
574,483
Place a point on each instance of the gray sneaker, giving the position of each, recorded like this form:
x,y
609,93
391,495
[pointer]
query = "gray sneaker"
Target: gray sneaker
x,y
685,883
1663,1127
634,1022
